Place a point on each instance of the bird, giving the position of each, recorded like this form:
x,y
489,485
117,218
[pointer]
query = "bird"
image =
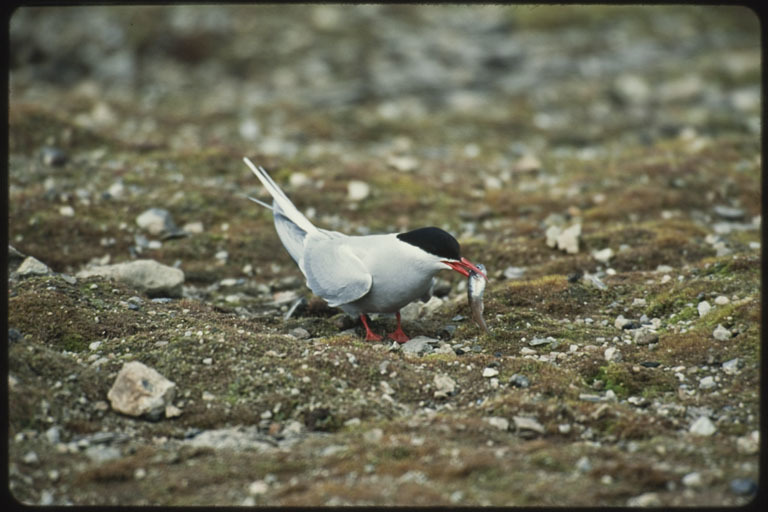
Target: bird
x,y
378,273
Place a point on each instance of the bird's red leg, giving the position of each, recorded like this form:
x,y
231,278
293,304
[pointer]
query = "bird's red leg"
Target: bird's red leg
x,y
398,335
369,335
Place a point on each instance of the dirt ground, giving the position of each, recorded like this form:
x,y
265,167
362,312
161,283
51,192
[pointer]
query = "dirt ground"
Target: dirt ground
x,y
624,373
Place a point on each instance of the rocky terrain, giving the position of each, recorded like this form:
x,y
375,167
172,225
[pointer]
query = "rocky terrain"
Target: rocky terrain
x,y
604,163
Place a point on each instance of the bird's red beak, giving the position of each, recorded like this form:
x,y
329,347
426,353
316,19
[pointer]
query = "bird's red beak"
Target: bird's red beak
x,y
464,266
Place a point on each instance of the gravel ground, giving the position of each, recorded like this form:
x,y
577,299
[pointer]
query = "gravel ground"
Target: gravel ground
x,y
604,163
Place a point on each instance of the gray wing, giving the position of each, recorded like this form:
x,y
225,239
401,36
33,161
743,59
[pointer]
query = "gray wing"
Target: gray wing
x,y
334,272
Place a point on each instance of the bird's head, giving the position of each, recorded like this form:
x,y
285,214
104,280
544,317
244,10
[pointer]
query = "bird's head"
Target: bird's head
x,y
442,247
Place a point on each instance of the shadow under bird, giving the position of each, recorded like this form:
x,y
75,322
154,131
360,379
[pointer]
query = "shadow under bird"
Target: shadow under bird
x,y
364,274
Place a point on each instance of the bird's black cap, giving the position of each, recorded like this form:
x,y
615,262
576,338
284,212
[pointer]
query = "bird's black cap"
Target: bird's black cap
x,y
434,241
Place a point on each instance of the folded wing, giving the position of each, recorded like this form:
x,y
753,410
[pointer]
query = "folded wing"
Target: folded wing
x,y
333,271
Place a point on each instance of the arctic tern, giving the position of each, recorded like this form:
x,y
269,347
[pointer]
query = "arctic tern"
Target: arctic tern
x,y
364,274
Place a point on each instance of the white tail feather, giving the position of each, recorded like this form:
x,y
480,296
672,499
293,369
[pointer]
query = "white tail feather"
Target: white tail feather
x,y
285,205
265,205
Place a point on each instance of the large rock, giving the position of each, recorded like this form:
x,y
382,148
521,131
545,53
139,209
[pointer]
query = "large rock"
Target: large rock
x,y
32,267
141,391
149,276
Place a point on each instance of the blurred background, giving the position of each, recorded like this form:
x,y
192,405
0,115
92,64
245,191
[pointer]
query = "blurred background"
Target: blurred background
x,y
472,118
561,77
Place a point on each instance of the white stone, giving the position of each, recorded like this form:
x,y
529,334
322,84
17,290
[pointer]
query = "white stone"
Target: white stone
x,y
299,179
552,233
514,272
702,427
612,354
527,163
648,499
498,422
749,444
417,310
490,372
417,345
568,239
620,322
603,255
721,333
722,300
693,480
171,411
731,367
67,211
707,382
403,163
357,190
140,390
156,221
444,385
704,308
525,423
258,487
194,228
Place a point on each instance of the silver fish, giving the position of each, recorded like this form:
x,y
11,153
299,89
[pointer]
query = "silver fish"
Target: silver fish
x,y
475,289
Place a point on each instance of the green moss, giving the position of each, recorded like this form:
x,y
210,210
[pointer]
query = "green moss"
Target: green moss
x,y
73,342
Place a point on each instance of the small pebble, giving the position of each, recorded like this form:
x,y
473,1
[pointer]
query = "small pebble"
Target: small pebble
x,y
743,486
702,427
645,500
721,333
490,372
731,367
729,213
604,255
357,190
722,300
519,381
514,272
645,337
53,157
258,487
707,382
612,354
583,465
693,480
703,308
300,333
500,423
749,444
